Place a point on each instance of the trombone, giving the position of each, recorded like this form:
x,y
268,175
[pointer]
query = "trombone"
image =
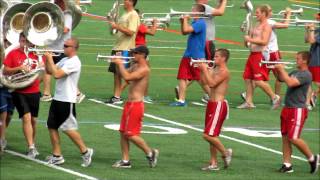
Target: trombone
x,y
271,64
126,60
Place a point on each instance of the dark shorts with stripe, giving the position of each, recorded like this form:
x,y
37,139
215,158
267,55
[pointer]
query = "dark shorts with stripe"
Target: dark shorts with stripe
x,y
62,115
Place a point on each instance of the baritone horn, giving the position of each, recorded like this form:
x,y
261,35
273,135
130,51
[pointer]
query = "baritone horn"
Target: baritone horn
x,y
114,14
247,24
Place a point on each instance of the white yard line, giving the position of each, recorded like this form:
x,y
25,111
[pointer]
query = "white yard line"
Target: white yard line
x,y
201,130
69,171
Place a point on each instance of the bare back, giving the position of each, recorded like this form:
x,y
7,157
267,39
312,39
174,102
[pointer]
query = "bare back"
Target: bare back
x,y
219,91
137,87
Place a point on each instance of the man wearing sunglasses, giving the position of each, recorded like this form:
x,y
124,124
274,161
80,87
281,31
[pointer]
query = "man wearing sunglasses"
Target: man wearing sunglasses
x,y
130,128
62,113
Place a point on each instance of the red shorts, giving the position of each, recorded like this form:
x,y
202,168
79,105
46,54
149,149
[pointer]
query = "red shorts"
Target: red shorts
x,y
315,71
131,121
274,56
254,70
216,113
188,72
292,121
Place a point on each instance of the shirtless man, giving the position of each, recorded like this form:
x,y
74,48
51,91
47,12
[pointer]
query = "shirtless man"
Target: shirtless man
x,y
217,107
130,128
254,72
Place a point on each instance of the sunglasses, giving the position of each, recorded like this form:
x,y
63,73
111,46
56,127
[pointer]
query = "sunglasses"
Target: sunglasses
x,y
66,46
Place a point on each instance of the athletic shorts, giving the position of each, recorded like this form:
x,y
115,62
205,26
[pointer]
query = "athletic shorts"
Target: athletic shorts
x,y
26,103
210,50
188,72
6,102
112,67
254,70
131,121
62,115
292,121
216,113
315,71
274,56
57,59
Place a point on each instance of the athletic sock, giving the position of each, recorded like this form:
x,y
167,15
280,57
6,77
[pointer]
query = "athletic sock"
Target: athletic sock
x,y
311,159
125,161
287,164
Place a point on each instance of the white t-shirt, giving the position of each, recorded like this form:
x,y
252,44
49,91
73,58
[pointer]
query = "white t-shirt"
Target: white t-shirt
x,y
58,44
211,28
66,87
273,41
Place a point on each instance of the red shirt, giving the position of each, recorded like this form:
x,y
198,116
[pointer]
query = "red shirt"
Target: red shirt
x,y
16,58
141,35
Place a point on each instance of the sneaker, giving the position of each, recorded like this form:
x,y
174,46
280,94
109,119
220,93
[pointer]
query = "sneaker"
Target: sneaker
x,y
246,105
3,144
285,169
309,107
114,100
314,165
227,159
205,98
276,102
313,100
80,97
32,153
210,167
55,160
176,91
243,96
121,164
178,103
87,158
147,99
46,98
154,158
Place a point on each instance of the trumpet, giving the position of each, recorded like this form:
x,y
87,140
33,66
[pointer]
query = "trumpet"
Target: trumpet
x,y
293,12
126,60
161,22
193,62
41,52
307,7
271,64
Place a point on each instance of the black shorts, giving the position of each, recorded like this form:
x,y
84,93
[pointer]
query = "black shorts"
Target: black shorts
x,y
26,103
57,59
62,115
112,68
210,50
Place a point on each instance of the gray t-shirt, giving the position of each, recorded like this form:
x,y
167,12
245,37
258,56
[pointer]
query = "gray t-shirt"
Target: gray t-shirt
x,y
315,50
211,28
296,96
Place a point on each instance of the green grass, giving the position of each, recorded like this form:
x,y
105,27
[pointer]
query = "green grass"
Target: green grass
x,y
181,156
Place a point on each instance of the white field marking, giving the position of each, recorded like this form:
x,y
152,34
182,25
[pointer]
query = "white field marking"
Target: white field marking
x,y
172,47
200,130
166,130
52,166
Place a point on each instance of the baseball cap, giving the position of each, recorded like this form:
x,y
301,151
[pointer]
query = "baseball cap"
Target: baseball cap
x,y
141,49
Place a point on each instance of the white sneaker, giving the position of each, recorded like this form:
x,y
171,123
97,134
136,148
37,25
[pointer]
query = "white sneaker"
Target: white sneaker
x,y
80,97
3,144
210,167
227,159
32,153
276,102
55,160
205,98
153,160
87,158
46,98
246,105
243,96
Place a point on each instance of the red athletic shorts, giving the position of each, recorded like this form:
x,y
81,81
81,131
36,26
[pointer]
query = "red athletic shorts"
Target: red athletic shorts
x,y
131,121
254,70
315,71
186,71
274,56
216,113
292,121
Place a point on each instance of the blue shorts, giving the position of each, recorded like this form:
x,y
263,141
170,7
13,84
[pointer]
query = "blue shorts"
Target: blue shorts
x,y
6,103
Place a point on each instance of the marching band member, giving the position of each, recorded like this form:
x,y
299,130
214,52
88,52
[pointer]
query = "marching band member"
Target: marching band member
x,y
195,50
125,40
58,45
26,100
312,36
6,111
133,112
254,73
295,113
62,113
217,107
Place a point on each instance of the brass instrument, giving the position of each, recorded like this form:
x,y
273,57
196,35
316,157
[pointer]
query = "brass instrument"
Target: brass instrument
x,y
109,58
247,24
174,13
193,62
114,14
41,52
271,64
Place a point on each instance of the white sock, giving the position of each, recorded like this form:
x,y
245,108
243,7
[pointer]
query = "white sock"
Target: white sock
x,y
311,158
125,161
31,146
287,164
182,101
150,154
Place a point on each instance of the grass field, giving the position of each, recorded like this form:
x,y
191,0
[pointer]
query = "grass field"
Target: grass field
x,y
181,155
